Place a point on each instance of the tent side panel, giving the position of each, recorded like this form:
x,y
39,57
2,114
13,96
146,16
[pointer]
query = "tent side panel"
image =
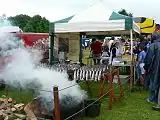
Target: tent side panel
x,y
136,28
65,20
71,44
112,25
128,20
74,47
117,16
128,24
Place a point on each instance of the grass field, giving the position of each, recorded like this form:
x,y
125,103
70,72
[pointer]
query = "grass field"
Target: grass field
x,y
132,106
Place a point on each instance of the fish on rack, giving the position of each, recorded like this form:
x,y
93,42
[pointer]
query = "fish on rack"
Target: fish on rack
x,y
99,75
87,75
93,73
81,75
84,75
75,75
96,75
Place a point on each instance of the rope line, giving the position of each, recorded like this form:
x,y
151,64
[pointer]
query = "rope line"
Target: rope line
x,y
118,67
67,87
94,101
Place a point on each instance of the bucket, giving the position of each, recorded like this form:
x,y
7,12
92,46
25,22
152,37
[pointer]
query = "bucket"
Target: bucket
x,y
94,109
69,111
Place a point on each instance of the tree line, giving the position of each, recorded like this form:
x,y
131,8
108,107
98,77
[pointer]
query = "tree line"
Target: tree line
x,y
35,24
39,24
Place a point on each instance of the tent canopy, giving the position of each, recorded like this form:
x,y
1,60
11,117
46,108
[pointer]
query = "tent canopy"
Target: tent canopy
x,y
93,20
10,29
96,18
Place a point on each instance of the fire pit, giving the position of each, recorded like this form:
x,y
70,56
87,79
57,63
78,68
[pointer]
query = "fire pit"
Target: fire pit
x,y
68,107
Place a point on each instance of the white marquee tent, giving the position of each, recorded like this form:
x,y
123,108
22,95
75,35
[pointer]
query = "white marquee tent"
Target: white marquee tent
x,y
96,19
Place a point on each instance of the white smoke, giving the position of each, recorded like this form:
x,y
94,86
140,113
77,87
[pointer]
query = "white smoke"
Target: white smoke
x,y
21,70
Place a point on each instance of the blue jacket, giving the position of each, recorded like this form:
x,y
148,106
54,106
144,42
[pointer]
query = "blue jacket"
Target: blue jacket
x,y
152,61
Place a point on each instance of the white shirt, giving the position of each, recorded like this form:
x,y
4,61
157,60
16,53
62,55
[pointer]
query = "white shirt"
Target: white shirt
x,y
110,43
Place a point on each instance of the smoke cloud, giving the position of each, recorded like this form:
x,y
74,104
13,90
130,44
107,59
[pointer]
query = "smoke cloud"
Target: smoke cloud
x,y
21,68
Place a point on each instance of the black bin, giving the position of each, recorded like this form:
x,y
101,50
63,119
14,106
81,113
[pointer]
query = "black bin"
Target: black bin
x,y
94,109
66,112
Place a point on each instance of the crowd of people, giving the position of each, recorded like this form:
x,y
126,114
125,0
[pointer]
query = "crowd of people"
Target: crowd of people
x,y
148,66
147,62
111,49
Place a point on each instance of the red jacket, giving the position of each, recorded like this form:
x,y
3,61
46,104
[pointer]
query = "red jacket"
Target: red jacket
x,y
96,47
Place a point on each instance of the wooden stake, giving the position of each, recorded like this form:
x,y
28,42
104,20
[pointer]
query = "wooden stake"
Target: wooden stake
x,y
56,104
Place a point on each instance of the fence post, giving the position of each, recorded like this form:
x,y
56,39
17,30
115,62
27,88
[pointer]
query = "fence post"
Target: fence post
x,y
111,90
131,79
6,90
56,112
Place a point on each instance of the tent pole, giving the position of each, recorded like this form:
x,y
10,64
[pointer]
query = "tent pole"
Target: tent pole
x,y
80,49
131,37
131,67
52,34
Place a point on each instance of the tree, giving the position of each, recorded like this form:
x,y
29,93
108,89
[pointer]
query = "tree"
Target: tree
x,y
37,24
19,20
124,12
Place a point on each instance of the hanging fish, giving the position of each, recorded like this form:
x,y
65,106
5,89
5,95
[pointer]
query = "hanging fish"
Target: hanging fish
x,y
83,76
87,75
93,75
99,75
90,74
96,75
75,75
78,71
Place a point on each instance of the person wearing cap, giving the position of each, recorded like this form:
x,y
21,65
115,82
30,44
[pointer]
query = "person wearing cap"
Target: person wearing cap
x,y
152,66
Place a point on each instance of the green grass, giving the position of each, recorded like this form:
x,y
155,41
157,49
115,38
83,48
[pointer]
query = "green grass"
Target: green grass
x,y
95,88
131,107
20,96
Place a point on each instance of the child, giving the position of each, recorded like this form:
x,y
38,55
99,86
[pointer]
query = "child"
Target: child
x,y
140,64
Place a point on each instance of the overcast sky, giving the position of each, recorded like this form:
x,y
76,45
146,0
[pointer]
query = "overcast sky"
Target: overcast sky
x,y
58,9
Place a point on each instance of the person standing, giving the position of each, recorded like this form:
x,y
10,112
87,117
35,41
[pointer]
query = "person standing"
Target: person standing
x,y
140,65
114,53
96,50
111,42
152,66
105,47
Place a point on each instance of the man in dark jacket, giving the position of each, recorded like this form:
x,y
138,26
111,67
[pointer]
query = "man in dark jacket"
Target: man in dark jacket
x,y
152,66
